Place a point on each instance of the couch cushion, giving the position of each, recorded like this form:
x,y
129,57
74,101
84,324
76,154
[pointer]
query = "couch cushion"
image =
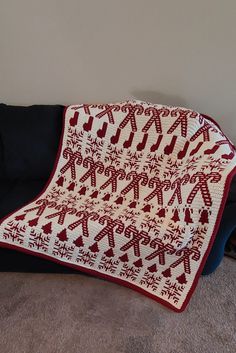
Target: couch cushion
x,y
29,138
232,191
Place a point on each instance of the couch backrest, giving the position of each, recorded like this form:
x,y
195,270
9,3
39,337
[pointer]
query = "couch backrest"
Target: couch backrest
x,y
29,138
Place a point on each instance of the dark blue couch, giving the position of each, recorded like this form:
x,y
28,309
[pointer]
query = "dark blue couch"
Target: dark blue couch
x,y
29,138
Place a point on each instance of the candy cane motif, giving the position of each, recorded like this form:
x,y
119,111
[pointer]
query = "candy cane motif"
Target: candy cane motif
x,y
204,130
134,184
185,258
115,175
62,213
43,204
182,120
86,107
84,221
160,186
156,114
137,239
177,186
93,168
160,251
108,111
202,186
74,158
130,117
109,229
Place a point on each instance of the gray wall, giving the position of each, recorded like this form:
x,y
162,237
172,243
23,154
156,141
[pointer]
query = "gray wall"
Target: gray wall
x,y
179,52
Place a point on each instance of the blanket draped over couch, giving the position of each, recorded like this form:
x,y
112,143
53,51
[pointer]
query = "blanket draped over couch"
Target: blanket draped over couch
x,y
136,196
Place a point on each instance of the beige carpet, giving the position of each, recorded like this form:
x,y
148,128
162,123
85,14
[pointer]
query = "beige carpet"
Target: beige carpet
x,y
42,313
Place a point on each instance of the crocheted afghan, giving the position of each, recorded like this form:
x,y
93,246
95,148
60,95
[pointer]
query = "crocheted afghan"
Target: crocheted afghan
x,y
136,197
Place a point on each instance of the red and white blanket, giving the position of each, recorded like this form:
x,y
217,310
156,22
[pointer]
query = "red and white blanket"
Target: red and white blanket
x,y
136,197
